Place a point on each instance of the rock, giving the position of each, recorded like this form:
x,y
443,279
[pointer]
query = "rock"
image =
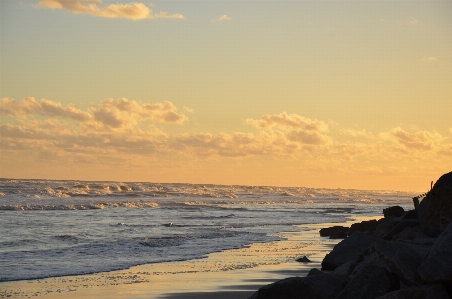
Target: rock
x,y
311,287
303,259
435,209
370,257
437,267
326,232
347,250
363,226
411,214
427,291
338,235
370,282
395,211
410,233
401,260
314,271
399,228
384,225
345,269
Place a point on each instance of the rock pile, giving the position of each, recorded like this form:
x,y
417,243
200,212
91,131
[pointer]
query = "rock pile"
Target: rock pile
x,y
400,256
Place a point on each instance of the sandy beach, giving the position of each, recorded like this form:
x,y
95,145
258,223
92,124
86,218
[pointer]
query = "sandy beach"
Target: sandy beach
x,y
235,273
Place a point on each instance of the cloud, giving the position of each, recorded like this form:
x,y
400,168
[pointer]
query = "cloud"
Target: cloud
x,y
108,115
356,133
189,110
133,10
308,137
29,106
222,18
414,21
284,120
421,140
431,58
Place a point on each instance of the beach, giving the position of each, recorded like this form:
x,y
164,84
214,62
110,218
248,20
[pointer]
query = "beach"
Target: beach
x,y
235,273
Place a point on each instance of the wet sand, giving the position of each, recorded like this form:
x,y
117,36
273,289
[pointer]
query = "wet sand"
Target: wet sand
x,y
229,274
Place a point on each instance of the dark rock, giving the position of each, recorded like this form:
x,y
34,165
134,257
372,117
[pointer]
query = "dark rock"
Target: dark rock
x,y
314,271
427,291
303,259
411,214
364,226
311,287
326,232
384,225
395,211
421,246
410,233
338,235
345,269
401,260
347,250
399,228
370,282
437,267
370,257
435,209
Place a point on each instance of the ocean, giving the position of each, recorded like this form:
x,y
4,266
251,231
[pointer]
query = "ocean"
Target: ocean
x,y
58,228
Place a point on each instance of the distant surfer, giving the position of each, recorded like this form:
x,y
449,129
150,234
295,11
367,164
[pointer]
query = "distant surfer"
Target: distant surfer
x,y
168,224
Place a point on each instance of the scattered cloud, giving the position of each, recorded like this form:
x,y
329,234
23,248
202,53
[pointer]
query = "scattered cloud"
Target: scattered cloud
x,y
187,109
222,18
356,133
123,131
108,115
421,140
414,21
431,58
284,120
132,10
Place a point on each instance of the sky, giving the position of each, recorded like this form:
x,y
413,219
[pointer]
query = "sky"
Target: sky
x,y
334,94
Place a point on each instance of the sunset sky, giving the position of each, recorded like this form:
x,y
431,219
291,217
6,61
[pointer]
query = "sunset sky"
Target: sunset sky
x,y
336,94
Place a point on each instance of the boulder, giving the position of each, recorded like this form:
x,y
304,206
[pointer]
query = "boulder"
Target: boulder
x,y
363,226
395,211
326,232
437,267
400,227
384,225
401,260
435,209
411,214
303,259
427,291
410,233
347,250
345,269
321,286
369,257
369,282
338,235
315,271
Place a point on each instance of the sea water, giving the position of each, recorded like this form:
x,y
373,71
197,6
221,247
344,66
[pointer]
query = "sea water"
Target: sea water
x,y
56,228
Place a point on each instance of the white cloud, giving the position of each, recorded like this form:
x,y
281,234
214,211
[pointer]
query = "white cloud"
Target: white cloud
x,y
133,10
109,114
421,140
284,120
222,18
414,21
431,58
356,133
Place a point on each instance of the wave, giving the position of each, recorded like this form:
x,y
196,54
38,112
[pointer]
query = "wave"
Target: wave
x,y
87,206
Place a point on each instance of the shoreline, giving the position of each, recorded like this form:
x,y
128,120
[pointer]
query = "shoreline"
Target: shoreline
x,y
233,273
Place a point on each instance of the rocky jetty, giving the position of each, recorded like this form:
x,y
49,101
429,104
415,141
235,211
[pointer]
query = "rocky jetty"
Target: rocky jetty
x,y
406,254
